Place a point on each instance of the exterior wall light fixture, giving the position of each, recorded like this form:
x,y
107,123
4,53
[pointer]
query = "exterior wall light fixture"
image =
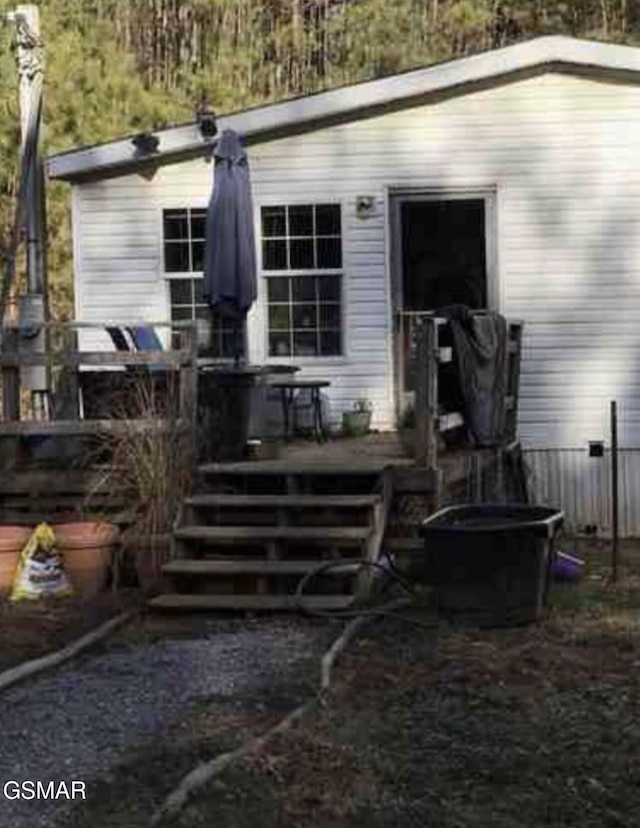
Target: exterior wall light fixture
x,y
146,143
206,122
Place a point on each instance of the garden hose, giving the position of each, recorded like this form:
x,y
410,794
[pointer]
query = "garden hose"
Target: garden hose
x,y
389,570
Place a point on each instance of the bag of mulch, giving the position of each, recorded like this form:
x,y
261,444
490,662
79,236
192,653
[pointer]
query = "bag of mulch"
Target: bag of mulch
x,y
40,571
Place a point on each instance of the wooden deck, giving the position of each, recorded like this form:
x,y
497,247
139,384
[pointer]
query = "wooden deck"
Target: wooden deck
x,y
252,528
381,449
368,455
358,455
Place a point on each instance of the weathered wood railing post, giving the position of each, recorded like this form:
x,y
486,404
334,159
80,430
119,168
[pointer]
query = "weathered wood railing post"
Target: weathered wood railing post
x,y
426,399
72,403
10,448
10,377
189,390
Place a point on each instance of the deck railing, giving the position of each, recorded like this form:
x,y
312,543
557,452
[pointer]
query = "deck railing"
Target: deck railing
x,y
425,351
16,355
69,476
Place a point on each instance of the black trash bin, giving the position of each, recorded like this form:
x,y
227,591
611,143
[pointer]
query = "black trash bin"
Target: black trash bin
x,y
489,563
224,400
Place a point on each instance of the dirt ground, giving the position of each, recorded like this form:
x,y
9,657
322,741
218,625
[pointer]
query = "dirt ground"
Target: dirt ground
x,y
31,629
443,727
447,727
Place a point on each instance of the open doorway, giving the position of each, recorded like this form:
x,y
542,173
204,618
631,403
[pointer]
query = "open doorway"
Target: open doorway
x,y
441,255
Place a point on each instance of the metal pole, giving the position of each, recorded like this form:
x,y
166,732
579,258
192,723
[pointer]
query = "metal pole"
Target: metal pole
x,y
29,57
33,305
614,491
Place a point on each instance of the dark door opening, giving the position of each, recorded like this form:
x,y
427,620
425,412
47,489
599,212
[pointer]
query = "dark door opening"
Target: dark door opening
x,y
443,254
441,260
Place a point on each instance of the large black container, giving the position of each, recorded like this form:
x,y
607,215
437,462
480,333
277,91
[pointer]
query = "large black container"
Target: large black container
x,y
490,563
224,399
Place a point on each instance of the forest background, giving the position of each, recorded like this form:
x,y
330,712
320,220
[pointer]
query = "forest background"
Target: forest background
x,y
116,67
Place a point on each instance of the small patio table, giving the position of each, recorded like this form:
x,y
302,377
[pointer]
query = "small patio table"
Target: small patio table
x,y
288,388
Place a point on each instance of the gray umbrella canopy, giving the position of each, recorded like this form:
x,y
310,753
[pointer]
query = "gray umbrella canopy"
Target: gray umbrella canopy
x,y
230,258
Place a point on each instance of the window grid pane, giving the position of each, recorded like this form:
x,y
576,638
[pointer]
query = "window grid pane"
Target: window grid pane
x,y
184,232
222,333
304,307
303,327
301,221
291,237
274,222
198,224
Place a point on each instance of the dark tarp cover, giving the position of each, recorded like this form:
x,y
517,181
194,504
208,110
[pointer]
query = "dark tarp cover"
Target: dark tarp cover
x,y
480,347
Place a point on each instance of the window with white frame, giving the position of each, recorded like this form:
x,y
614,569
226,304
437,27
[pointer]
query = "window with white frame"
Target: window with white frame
x,y
183,240
302,264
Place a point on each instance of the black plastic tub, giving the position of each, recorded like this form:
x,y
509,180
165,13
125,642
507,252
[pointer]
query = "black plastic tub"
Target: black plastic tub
x,y
490,564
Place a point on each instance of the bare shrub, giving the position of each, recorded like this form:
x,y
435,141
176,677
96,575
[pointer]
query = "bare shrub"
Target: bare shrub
x,y
150,466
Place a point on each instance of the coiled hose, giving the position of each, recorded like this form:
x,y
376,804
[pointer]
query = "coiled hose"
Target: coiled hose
x,y
390,571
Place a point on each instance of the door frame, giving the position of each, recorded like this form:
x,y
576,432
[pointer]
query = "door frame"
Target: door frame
x,y
396,196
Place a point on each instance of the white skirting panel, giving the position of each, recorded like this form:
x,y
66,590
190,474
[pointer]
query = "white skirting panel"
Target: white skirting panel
x,y
581,486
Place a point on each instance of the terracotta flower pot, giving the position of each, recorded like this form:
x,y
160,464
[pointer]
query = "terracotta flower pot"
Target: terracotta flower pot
x,y
87,550
12,541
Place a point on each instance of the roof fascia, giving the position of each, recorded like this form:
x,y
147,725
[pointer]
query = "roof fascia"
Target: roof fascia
x,y
553,53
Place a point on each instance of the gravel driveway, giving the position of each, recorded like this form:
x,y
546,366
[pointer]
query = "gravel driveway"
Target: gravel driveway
x,y
81,720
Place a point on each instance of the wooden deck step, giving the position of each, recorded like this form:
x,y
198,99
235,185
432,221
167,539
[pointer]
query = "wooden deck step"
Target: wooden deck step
x,y
172,601
189,566
276,501
351,466
242,534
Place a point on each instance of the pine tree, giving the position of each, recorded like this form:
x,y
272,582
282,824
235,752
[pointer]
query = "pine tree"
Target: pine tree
x,y
115,67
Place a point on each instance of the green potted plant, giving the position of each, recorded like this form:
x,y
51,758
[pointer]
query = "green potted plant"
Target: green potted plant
x,y
356,423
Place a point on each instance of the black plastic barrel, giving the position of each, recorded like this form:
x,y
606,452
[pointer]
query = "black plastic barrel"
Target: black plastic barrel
x,y
224,399
490,564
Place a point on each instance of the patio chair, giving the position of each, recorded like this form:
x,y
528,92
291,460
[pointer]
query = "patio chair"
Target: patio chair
x,y
144,339
119,339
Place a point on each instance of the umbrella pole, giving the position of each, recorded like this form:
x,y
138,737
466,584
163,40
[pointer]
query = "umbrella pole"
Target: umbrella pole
x,y
237,342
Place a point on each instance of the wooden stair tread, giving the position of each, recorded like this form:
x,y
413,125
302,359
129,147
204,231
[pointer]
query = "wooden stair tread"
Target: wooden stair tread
x,y
275,501
239,534
352,466
259,566
248,602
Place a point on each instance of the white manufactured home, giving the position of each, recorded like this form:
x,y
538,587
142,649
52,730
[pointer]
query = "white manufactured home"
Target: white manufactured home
x,y
509,180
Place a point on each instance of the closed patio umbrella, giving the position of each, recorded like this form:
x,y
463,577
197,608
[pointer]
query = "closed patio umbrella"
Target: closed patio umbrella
x,y
229,284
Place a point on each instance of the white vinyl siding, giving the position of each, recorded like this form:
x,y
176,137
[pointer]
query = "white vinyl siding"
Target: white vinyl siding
x,y
562,154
